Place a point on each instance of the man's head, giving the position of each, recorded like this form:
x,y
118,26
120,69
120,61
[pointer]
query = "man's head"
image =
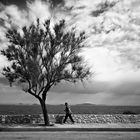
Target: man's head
x,y
66,104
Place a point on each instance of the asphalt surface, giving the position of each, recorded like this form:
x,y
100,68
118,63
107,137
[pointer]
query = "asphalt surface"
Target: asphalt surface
x,y
69,136
72,127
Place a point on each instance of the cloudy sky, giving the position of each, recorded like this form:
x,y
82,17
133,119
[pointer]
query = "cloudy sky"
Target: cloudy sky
x,y
113,30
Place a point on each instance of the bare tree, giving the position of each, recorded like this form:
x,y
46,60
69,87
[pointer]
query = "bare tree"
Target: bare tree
x,y
42,57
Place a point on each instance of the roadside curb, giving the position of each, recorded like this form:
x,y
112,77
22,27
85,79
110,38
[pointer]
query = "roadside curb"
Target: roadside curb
x,y
68,129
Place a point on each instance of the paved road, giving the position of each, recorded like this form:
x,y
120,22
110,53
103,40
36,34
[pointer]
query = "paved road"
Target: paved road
x,y
69,136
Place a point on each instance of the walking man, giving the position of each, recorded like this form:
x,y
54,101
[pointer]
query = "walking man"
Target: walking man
x,y
68,113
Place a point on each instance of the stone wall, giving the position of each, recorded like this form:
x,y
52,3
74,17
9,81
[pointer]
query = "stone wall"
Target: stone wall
x,y
20,119
84,118
116,118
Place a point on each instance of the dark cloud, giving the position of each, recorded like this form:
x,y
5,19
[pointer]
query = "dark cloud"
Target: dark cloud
x,y
81,7
103,7
56,2
3,81
20,3
13,95
79,88
97,91
126,88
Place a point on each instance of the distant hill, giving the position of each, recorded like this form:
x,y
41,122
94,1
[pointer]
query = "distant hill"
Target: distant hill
x,y
76,109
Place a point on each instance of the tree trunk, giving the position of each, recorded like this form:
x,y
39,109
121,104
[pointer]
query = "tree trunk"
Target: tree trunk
x,y
45,113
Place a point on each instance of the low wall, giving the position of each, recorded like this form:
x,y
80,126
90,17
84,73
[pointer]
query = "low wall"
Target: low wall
x,y
115,118
84,118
